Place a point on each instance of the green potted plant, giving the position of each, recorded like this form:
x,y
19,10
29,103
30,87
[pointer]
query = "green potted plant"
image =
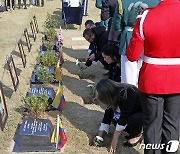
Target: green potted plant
x,y
48,59
36,104
49,27
47,45
43,75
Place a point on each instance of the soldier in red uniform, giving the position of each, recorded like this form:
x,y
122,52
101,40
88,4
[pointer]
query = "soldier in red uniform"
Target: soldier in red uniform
x,y
159,79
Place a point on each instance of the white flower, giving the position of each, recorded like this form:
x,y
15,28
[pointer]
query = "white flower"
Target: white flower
x,y
77,62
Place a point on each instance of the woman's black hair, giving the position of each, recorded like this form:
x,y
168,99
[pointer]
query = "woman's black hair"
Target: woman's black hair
x,y
112,51
111,92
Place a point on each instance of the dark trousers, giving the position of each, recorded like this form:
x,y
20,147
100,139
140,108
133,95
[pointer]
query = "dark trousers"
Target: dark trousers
x,y
8,3
19,3
161,120
134,122
134,125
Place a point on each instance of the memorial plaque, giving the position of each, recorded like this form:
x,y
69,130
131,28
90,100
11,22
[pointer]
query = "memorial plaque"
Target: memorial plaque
x,y
3,109
27,39
34,135
33,79
35,23
13,73
42,52
39,90
33,30
23,56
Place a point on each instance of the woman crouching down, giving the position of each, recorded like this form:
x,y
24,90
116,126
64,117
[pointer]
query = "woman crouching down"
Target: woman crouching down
x,y
123,110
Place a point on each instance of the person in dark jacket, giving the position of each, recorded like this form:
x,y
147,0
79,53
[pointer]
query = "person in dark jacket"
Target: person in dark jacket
x,y
90,24
124,111
107,11
97,37
111,55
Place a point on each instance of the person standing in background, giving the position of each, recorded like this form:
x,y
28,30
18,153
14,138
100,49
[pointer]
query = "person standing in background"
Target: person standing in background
x,y
85,13
19,4
107,11
159,78
123,22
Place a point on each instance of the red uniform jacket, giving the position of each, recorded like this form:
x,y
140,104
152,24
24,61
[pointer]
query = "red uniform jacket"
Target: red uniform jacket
x,y
161,30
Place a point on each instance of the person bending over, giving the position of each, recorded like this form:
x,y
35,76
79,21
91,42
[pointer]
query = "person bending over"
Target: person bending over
x,y
123,110
111,56
97,37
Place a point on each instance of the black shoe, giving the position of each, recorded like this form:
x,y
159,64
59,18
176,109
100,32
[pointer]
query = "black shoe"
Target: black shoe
x,y
127,144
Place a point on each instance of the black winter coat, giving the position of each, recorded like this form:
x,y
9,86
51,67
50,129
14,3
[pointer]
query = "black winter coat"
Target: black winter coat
x,y
108,9
115,72
101,39
127,107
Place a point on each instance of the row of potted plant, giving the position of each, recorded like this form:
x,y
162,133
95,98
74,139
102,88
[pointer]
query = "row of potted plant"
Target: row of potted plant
x,y
48,53
44,72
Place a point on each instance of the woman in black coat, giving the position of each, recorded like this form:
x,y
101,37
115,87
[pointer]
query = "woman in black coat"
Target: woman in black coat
x,y
111,56
124,111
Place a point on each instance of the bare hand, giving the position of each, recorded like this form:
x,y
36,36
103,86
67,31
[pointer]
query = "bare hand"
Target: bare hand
x,y
113,146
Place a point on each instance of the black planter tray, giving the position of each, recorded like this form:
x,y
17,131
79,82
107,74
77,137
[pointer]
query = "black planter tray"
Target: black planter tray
x,y
43,48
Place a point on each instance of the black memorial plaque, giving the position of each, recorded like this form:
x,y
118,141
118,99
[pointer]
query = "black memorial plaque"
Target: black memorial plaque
x,y
34,80
39,90
42,51
34,135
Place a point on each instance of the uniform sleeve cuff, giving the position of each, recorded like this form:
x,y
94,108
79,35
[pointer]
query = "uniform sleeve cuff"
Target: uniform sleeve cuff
x,y
120,127
89,51
104,127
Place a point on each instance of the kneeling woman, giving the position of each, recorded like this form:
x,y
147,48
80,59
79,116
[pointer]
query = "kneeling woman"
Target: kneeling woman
x,y
111,56
124,111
